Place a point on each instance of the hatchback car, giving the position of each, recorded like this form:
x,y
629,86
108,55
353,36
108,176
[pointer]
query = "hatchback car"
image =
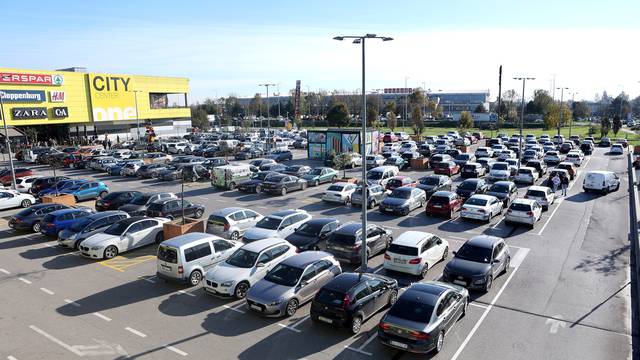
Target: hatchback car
x,y
292,283
174,208
500,171
312,235
279,224
434,183
570,167
443,203
374,160
552,157
526,175
246,266
232,222
375,195
339,192
523,211
470,187
539,165
255,181
346,242
464,158
87,190
478,262
448,168
396,160
296,170
472,169
320,175
574,157
400,181
438,158
280,155
46,182
114,200
149,171
13,198
282,184
31,217
87,226
422,315
481,207
403,200
54,222
542,194
616,149
415,252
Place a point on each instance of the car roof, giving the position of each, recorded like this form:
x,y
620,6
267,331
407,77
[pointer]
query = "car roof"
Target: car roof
x,y
472,181
350,228
186,239
524,201
64,211
428,293
345,281
482,196
103,214
227,211
131,220
411,238
485,241
260,245
285,213
321,221
443,193
304,259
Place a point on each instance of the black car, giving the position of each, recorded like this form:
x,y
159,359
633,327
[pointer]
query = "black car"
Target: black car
x,y
114,200
587,148
254,183
433,183
172,209
506,191
31,217
148,171
350,299
604,142
44,183
565,147
407,156
296,170
282,184
249,153
210,151
313,234
170,173
470,187
345,243
195,172
538,165
273,167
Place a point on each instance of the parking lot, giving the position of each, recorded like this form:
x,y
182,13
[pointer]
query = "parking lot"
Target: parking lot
x,y
568,281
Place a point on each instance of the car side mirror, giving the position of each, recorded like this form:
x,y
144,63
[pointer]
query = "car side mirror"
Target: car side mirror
x,y
304,283
496,261
260,265
454,253
439,242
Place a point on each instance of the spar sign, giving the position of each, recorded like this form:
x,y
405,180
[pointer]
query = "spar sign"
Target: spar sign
x,y
30,79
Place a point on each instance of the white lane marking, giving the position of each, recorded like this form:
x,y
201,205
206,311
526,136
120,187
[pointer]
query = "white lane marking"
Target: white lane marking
x,y
498,223
55,340
222,201
478,305
234,308
293,327
70,302
202,197
101,347
359,349
518,258
6,272
176,350
24,280
136,332
105,318
11,358
483,316
49,245
473,232
458,238
262,207
392,227
555,323
186,293
289,327
550,217
45,290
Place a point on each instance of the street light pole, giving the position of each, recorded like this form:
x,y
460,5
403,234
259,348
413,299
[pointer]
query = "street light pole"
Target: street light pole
x,y
363,143
404,118
268,117
7,142
573,104
135,96
562,89
524,80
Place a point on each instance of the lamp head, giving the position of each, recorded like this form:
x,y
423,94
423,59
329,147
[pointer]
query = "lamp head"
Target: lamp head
x,y
339,38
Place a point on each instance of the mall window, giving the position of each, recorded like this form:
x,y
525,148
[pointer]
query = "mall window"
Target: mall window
x,y
167,101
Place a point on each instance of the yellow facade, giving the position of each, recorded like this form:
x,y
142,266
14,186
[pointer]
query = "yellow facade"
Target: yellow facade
x,y
88,97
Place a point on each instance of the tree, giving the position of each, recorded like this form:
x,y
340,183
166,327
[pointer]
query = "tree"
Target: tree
x,y
480,109
581,110
620,105
466,120
605,126
416,120
392,120
372,114
199,118
540,104
256,105
553,116
417,98
338,115
390,107
438,112
616,125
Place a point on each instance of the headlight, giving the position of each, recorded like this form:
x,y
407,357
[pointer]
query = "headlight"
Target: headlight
x,y
227,283
277,302
96,247
479,281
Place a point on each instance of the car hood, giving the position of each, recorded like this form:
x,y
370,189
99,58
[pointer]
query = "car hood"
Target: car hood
x,y
99,239
254,234
224,272
465,267
465,192
267,292
394,201
499,195
299,240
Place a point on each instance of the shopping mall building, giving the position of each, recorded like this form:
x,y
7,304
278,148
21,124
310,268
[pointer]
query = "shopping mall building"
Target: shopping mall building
x,y
95,104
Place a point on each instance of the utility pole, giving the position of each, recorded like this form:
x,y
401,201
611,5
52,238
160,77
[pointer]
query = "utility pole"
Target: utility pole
x,y
573,105
499,94
562,89
405,102
268,117
524,80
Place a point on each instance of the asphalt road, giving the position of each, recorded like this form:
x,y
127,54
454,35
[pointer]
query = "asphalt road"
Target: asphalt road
x,y
566,296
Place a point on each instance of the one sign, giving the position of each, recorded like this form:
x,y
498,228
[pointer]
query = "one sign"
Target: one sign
x,y
112,97
29,113
56,96
23,96
31,79
297,100
60,112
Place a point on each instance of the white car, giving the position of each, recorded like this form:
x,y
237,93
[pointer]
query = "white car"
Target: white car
x,y
391,147
339,192
481,207
523,211
500,171
12,199
356,159
542,194
177,147
484,151
279,224
506,154
375,160
409,146
574,157
130,168
552,157
415,252
616,149
526,175
23,184
401,136
246,266
125,235
604,181
497,149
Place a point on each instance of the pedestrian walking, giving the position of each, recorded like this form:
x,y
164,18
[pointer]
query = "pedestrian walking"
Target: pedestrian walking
x,y
556,182
565,185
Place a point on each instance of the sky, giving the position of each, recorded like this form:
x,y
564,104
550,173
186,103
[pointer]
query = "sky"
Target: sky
x,y
229,47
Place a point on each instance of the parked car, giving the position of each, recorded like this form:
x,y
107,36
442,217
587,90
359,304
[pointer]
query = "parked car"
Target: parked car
x,y
296,170
280,155
149,171
282,184
254,183
470,187
54,222
552,157
12,199
374,160
570,167
249,153
604,142
587,147
170,173
396,161
478,262
500,171
464,158
114,200
246,266
434,183
339,192
381,175
506,191
481,207
45,182
6,177
345,242
616,149
484,151
320,175
59,186
565,147
174,208
403,200
87,190
350,299
312,235
375,195
448,168
400,181
84,227
523,211
415,252
562,173
137,231
602,181
292,283
130,168
472,169
539,165
542,194
232,222
574,157
443,203
421,317
279,224
526,175
228,177
438,158
24,184
140,203
31,217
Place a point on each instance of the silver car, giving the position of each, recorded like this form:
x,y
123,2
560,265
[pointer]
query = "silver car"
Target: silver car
x,y
231,223
402,200
376,195
82,228
292,283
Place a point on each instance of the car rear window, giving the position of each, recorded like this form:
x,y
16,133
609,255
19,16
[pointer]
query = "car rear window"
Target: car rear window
x,y
403,250
412,310
217,220
343,239
330,297
334,188
536,193
439,200
520,207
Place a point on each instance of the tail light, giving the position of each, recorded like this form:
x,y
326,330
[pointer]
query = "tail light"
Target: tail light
x,y
387,257
414,261
180,270
50,225
529,213
509,211
419,335
526,196
346,301
226,227
384,326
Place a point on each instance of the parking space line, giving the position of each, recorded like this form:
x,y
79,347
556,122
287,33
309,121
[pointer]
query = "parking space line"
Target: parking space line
x,y
135,332
186,293
176,350
105,318
25,280
11,358
45,290
6,272
359,349
234,308
148,279
478,305
289,327
295,324
518,258
550,217
55,340
70,302
498,223
458,238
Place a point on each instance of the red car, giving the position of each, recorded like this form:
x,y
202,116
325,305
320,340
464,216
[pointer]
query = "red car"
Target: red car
x,y
389,137
6,178
447,168
400,181
444,203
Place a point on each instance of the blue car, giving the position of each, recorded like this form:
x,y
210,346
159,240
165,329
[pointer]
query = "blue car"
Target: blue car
x,y
87,190
61,185
54,222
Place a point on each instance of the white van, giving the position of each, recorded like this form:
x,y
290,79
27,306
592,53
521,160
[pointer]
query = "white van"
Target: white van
x,y
187,257
381,175
604,181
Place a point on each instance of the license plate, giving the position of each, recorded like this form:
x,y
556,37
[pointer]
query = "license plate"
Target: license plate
x,y
256,307
459,282
437,206
165,267
327,320
398,344
399,261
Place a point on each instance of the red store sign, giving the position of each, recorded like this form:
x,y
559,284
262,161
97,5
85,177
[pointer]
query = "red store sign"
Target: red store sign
x,y
34,79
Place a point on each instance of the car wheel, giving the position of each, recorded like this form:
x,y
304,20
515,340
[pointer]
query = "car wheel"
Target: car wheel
x,y
194,178
393,296
198,213
445,253
195,277
36,227
424,271
25,203
234,236
316,183
241,290
110,252
464,308
159,237
283,192
292,307
439,342
356,324
102,194
617,187
488,283
506,265
304,186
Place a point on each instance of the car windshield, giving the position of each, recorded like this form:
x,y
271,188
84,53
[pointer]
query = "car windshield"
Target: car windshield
x,y
269,223
374,175
430,181
284,274
243,258
80,224
401,194
412,310
474,253
117,228
468,185
259,176
315,172
497,166
476,201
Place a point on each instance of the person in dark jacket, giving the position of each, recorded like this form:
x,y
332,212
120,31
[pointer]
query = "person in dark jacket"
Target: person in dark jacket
x,y
565,184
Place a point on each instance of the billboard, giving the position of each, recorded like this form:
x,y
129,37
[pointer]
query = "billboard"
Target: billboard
x,y
23,96
112,97
296,100
31,79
